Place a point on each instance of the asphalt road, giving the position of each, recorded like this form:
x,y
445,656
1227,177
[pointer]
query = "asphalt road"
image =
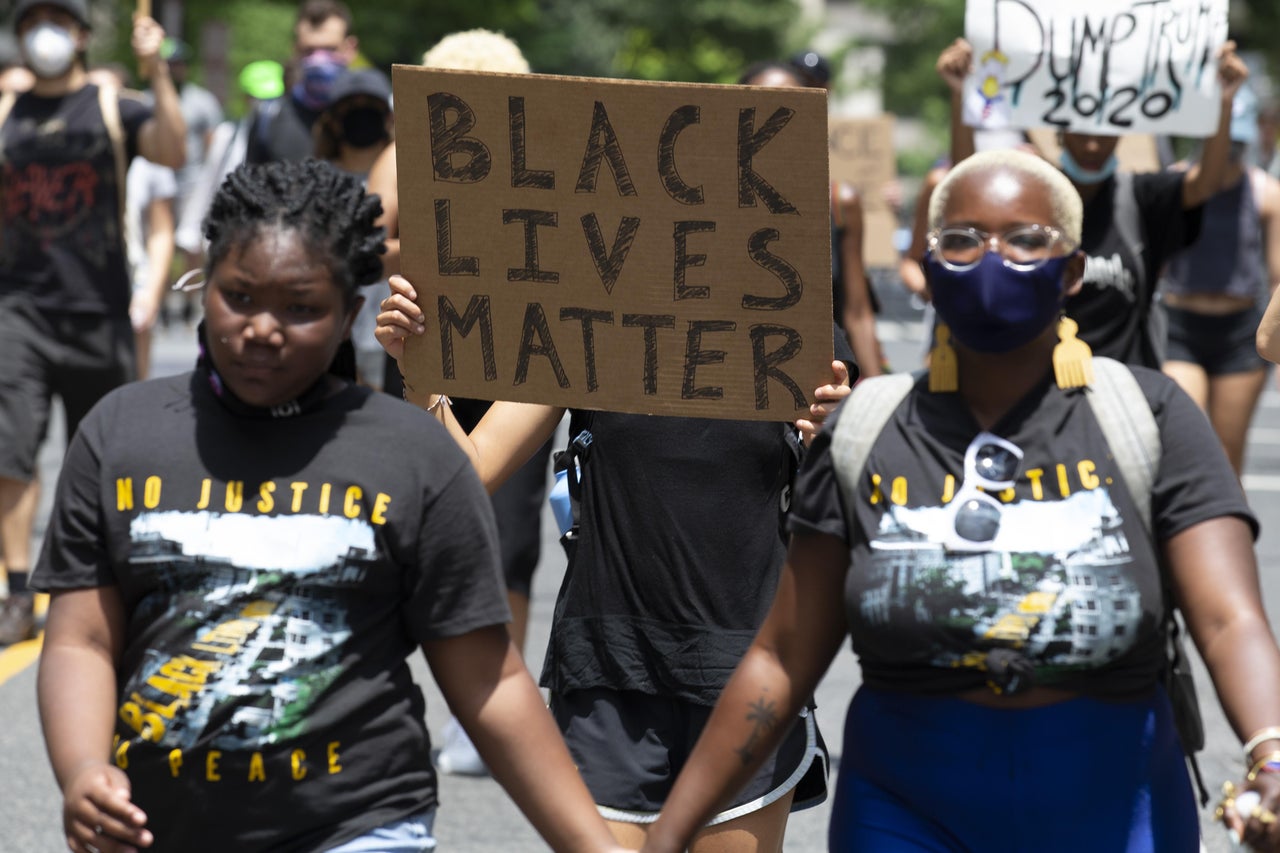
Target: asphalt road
x,y
475,815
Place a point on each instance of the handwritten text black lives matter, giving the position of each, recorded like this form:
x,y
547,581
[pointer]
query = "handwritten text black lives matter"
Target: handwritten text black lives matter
x,y
1107,64
461,155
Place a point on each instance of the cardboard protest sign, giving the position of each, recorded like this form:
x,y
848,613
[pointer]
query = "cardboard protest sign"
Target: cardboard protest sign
x,y
1107,67
605,244
862,154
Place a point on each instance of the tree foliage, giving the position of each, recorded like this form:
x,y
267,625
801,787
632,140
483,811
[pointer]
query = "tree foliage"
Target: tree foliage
x,y
689,40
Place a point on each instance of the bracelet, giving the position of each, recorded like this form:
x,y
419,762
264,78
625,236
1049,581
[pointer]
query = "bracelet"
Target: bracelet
x,y
1269,763
443,398
1259,737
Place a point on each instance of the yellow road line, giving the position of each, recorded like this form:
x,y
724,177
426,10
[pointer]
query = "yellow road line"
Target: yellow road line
x,y
19,656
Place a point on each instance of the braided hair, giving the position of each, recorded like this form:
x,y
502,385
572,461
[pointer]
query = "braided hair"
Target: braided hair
x,y
327,207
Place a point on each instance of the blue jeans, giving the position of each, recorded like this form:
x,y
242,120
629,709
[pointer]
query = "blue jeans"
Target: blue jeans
x,y
926,773
411,835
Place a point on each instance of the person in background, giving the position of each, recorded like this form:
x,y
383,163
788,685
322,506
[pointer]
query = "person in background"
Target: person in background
x,y
853,303
150,190
679,541
1215,291
1133,223
1012,648
323,46
351,133
261,80
518,503
202,114
234,675
64,280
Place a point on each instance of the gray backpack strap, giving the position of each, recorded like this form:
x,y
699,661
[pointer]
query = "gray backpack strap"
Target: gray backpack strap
x,y
862,417
1124,413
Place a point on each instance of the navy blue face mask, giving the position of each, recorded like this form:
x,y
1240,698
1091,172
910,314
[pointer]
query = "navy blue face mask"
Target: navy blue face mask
x,y
995,308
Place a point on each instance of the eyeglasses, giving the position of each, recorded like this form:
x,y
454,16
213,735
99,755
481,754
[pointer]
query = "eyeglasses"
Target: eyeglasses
x,y
1023,248
991,463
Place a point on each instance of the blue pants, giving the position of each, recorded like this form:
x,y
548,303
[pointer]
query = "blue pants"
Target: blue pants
x,y
939,774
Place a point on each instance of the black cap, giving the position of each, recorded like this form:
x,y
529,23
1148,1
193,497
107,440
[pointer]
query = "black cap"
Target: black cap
x,y
78,9
362,81
812,65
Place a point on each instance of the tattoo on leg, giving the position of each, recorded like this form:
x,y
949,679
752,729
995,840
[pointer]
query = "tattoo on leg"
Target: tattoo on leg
x,y
763,714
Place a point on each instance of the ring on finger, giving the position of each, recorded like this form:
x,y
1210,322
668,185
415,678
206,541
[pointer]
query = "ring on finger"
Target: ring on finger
x,y
1266,817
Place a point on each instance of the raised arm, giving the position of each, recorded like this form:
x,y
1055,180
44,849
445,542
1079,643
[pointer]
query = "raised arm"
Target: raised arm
x,y
1215,580
76,691
1205,177
793,649
163,137
954,65
859,320
909,268
382,182
490,691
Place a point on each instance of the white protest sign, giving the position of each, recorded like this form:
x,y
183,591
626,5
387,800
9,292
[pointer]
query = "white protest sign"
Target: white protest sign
x,y
1107,67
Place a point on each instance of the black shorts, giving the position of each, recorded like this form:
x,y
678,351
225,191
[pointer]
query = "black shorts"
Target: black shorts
x,y
629,748
1220,343
78,357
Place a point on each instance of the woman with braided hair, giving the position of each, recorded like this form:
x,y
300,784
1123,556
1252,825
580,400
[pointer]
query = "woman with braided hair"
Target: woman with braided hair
x,y
239,574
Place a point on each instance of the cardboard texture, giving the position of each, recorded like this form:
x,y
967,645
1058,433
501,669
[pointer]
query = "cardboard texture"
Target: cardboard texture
x,y
862,154
602,244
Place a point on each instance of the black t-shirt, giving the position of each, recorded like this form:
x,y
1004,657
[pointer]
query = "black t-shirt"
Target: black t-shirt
x,y
1070,583
281,130
62,241
1114,306
679,553
276,574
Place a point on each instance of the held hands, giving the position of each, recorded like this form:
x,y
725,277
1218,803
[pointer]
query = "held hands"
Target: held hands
x,y
826,397
954,64
399,317
98,814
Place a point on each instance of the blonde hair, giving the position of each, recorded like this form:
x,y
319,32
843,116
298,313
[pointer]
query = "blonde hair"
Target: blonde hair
x,y
1064,200
477,50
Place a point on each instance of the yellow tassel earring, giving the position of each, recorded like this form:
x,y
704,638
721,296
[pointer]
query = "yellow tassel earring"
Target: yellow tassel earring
x,y
1072,358
943,375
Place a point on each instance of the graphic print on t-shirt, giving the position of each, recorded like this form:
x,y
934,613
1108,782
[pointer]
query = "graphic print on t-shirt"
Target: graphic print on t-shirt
x,y
1055,583
261,605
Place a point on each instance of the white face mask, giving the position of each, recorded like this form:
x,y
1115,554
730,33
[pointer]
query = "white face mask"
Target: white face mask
x,y
50,49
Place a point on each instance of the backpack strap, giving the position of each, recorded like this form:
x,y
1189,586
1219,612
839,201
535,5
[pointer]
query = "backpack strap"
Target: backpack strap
x,y
1124,414
862,417
109,105
1131,431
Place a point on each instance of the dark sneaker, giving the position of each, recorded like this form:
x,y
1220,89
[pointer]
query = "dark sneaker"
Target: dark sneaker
x,y
17,618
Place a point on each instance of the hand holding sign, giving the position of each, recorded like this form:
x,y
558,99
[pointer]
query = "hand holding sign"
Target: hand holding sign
x,y
148,36
606,244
